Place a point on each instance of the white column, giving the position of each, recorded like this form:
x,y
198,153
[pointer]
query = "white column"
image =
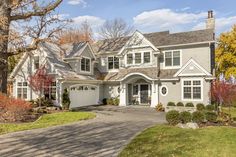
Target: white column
x,y
154,95
123,94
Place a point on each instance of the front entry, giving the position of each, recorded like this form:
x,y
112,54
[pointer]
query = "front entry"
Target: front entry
x,y
144,93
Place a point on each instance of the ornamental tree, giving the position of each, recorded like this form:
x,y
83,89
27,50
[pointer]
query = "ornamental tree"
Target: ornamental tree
x,y
40,82
223,93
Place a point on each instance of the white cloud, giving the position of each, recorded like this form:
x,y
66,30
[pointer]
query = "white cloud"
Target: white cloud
x,y
185,8
93,21
222,24
77,2
165,19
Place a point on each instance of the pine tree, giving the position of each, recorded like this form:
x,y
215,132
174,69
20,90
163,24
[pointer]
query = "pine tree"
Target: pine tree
x,y
65,99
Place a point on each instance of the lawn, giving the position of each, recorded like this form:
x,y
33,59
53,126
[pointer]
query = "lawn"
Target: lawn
x,y
47,120
168,141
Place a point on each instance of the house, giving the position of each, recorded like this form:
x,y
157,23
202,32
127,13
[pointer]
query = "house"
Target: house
x,y
142,69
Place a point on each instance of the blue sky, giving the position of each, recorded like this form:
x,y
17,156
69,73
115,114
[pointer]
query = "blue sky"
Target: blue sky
x,y
152,15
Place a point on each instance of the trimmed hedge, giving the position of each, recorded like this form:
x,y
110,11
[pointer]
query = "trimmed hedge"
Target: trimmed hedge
x,y
189,104
211,116
198,117
173,117
200,107
171,104
210,107
185,117
179,104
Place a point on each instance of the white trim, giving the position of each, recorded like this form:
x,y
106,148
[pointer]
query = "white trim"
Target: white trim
x,y
130,74
182,88
205,73
141,36
172,67
164,86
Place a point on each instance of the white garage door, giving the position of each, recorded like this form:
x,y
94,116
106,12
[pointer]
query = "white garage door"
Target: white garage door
x,y
83,95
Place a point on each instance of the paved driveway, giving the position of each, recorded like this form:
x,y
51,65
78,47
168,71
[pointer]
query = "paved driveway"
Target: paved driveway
x,y
105,135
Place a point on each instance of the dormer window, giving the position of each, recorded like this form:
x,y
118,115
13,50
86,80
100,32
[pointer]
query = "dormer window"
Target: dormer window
x,y
172,59
85,64
138,58
113,63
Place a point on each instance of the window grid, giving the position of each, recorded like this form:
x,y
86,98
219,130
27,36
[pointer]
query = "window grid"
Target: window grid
x,y
192,89
172,58
22,90
85,64
113,63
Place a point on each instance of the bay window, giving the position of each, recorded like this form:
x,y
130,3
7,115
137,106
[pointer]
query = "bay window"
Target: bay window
x,y
192,89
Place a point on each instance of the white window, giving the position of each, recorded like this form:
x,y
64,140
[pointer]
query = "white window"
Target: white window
x,y
164,90
22,88
173,58
146,57
85,64
192,90
138,58
113,63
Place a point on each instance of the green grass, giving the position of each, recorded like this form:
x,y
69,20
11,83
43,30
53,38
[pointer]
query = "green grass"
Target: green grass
x,y
232,111
168,141
47,120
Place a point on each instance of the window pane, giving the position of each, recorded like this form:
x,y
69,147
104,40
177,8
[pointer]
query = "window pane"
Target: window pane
x,y
19,84
135,90
87,64
110,65
168,55
19,92
196,82
129,58
24,83
116,63
176,54
163,90
168,62
24,93
83,64
137,58
187,83
196,92
146,57
36,62
176,61
187,92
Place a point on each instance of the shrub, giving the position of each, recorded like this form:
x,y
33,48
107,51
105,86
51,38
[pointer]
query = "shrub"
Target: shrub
x,y
234,119
189,104
172,117
160,107
171,104
44,102
198,117
109,101
116,101
65,99
211,116
179,104
185,117
210,107
200,107
104,101
12,110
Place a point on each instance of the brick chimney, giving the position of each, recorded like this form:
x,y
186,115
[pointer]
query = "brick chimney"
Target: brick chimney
x,y
210,22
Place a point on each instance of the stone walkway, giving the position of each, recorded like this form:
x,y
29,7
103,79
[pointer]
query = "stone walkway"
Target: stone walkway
x,y
106,135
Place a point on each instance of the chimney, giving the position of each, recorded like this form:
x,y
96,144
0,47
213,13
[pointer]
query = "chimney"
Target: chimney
x,y
210,22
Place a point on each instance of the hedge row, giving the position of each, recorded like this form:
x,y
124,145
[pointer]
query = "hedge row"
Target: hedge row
x,y
174,117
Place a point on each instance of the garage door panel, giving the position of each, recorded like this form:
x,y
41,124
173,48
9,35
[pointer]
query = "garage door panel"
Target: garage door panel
x,y
84,95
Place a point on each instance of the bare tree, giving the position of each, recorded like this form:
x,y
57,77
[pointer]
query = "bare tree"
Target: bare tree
x,y
116,28
76,35
13,42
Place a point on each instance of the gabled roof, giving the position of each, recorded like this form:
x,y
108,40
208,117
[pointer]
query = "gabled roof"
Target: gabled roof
x,y
192,65
158,39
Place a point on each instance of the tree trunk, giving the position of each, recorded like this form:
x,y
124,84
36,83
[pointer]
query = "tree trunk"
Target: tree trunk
x,y
5,13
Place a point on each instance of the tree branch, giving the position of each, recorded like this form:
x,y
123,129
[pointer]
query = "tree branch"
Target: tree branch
x,y
40,12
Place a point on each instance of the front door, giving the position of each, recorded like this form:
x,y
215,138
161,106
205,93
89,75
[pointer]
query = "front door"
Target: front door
x,y
144,94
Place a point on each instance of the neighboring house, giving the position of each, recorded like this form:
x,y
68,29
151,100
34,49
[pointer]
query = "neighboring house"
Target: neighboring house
x,y
143,68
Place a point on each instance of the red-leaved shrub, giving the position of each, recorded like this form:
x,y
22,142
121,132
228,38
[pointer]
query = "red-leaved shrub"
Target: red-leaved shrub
x,y
12,110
